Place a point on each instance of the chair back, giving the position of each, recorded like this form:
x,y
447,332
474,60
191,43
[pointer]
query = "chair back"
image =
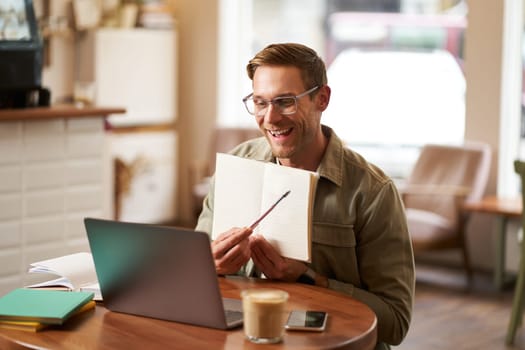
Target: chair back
x,y
225,139
457,167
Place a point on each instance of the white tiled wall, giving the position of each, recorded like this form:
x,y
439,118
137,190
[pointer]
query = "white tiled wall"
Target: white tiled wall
x,y
53,173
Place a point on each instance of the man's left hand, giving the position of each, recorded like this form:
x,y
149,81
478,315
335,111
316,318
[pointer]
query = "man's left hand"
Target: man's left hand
x,y
273,265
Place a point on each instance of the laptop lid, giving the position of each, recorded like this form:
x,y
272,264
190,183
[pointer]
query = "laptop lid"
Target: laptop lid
x,y
157,271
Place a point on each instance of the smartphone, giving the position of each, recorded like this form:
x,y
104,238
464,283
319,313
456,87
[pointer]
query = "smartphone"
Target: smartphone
x,y
306,320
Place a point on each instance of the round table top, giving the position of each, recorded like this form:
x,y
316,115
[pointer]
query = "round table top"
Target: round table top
x,y
351,325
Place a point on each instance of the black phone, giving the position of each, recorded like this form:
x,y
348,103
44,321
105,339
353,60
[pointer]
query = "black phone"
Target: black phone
x,y
306,320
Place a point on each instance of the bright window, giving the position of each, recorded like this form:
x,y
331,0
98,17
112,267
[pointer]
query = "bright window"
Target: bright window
x,y
395,73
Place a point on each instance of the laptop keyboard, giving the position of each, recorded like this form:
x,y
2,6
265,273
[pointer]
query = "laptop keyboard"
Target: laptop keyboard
x,y
232,316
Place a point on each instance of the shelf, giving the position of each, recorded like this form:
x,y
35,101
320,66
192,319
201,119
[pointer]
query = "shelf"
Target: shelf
x,y
58,111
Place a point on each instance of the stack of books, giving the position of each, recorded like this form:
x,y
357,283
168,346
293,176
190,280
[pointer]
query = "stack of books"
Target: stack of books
x,y
35,309
156,14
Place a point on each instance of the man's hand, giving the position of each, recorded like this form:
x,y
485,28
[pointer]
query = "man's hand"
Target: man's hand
x,y
231,250
274,266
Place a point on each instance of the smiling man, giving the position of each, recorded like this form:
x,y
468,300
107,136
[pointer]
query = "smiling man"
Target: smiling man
x,y
360,241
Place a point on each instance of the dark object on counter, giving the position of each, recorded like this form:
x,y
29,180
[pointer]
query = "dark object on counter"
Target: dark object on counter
x,y
21,57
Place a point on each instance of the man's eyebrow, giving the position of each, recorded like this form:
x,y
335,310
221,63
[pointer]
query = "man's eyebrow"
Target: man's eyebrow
x,y
285,94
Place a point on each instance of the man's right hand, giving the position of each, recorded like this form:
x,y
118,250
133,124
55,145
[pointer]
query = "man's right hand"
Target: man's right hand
x,y
231,250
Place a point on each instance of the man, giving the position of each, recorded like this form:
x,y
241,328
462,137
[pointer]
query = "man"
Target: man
x,y
360,241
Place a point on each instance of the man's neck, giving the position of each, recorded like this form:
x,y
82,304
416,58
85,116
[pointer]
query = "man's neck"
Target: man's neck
x,y
310,158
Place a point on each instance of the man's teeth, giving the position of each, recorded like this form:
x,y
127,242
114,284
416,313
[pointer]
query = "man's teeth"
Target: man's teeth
x,y
279,132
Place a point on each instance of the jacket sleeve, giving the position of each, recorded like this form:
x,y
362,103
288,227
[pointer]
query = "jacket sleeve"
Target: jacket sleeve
x,y
205,221
386,265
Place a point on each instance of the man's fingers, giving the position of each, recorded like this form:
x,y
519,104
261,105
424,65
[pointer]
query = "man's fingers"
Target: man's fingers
x,y
233,259
262,253
227,240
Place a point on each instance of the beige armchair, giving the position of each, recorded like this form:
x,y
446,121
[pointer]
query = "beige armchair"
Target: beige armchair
x,y
442,180
223,140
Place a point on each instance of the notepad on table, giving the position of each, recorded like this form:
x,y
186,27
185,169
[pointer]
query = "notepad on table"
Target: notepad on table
x,y
76,271
44,306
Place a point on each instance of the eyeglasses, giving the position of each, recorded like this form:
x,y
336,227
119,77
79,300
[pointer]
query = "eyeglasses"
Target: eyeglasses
x,y
286,105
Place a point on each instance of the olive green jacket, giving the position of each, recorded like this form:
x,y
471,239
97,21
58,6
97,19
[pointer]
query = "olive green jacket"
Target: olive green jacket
x,y
360,239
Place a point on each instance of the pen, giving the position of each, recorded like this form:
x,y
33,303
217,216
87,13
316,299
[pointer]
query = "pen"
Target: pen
x,y
254,225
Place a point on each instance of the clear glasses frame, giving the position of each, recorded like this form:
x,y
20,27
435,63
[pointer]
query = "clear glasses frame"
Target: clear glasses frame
x,y
286,105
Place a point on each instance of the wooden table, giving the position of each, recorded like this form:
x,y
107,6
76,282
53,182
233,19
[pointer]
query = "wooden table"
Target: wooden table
x,y
351,325
504,209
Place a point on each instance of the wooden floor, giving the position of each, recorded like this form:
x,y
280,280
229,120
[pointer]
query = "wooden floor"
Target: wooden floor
x,y
448,315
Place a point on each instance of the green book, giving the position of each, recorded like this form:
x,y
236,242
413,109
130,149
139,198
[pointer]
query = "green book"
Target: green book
x,y
44,306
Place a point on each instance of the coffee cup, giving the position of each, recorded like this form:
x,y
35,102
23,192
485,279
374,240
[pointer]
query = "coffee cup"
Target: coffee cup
x,y
264,313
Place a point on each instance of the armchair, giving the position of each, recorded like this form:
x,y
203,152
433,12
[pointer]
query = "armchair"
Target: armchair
x,y
444,178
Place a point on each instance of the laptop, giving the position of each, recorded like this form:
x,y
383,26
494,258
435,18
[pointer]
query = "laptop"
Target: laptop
x,y
160,272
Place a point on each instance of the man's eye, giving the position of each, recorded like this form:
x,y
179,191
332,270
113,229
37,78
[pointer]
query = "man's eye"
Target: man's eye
x,y
286,102
260,103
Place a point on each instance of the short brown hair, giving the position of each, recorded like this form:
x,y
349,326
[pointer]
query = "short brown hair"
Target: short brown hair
x,y
312,67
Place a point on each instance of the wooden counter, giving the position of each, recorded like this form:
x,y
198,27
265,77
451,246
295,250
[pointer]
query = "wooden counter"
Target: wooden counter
x,y
57,111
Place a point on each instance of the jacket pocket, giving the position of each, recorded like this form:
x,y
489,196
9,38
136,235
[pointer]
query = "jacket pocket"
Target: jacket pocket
x,y
337,235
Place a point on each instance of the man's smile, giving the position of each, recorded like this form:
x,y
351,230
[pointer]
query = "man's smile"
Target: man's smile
x,y
280,132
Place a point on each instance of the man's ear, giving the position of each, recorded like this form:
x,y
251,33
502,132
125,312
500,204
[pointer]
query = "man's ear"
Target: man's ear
x,y
323,97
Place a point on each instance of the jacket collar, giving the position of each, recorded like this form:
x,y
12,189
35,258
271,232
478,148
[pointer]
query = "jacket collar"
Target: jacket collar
x,y
331,166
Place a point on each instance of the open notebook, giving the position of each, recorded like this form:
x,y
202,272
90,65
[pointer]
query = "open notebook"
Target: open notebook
x,y
161,272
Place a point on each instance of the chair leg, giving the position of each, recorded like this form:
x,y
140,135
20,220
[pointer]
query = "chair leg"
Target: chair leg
x,y
517,303
466,262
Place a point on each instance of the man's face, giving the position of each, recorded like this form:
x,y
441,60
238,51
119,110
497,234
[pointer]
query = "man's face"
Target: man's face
x,y
290,136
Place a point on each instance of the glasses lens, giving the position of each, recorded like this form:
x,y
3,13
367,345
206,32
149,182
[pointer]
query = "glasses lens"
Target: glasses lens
x,y
286,105
249,104
259,106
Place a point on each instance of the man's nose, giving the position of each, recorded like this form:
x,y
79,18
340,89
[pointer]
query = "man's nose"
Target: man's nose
x,y
273,114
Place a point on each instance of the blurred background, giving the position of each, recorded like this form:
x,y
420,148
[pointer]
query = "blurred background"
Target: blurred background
x,y
403,73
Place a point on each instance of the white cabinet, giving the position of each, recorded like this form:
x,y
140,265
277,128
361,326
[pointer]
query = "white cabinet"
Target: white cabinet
x,y
136,69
